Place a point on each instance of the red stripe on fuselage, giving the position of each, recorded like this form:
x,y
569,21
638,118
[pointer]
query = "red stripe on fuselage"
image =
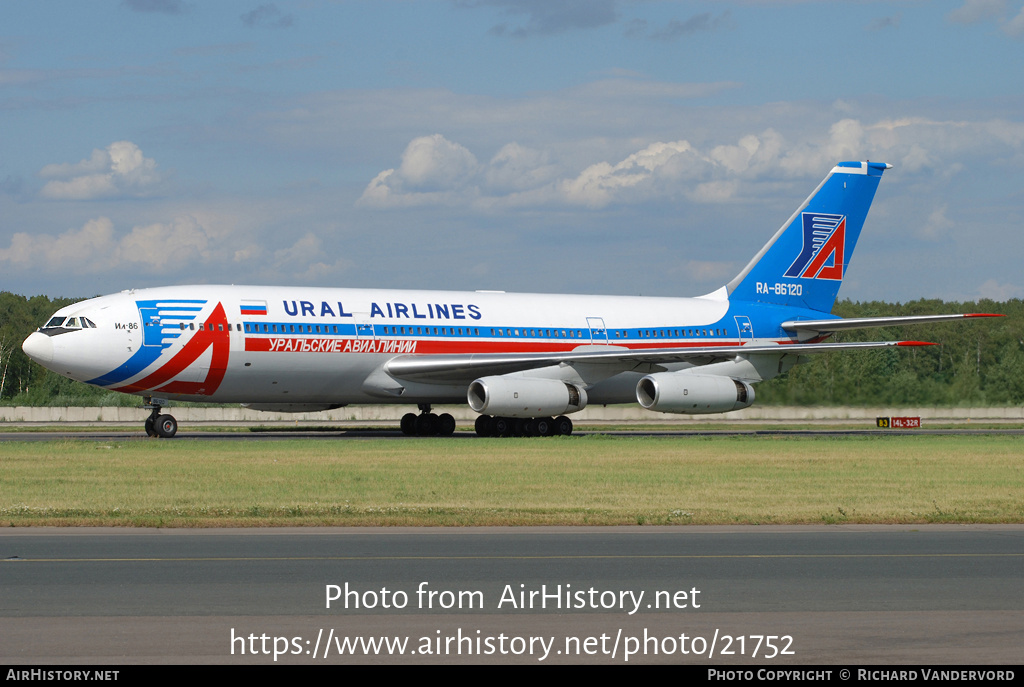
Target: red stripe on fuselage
x,y
434,347
215,333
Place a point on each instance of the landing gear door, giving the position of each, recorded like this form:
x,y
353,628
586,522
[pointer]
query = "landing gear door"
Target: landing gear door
x,y
598,333
744,327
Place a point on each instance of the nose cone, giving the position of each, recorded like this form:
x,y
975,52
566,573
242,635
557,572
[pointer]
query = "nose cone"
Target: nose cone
x,y
39,347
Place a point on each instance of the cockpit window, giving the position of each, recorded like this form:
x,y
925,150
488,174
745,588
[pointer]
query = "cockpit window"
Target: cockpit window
x,y
65,323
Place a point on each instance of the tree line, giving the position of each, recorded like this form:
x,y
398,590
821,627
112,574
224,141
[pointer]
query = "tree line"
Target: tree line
x,y
978,362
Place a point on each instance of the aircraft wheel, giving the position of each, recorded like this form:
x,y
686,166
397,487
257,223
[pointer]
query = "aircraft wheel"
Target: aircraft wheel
x,y
563,426
426,425
151,426
483,425
520,427
166,426
543,426
445,425
501,427
409,424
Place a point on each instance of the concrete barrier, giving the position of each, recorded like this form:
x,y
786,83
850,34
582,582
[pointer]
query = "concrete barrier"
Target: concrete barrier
x,y
597,414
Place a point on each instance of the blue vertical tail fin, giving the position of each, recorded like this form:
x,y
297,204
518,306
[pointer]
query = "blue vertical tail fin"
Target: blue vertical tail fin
x,y
804,262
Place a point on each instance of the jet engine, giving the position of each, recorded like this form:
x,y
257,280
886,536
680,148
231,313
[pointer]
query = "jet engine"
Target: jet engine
x,y
683,392
512,396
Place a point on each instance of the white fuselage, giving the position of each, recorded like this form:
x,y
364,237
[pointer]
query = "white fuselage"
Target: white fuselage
x,y
277,345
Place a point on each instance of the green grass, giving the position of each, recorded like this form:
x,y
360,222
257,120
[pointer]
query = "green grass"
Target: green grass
x,y
597,480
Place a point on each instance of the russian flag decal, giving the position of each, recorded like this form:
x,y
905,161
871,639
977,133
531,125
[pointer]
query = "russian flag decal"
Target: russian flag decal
x,y
254,307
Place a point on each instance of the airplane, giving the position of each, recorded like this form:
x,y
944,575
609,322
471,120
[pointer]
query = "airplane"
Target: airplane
x,y
524,361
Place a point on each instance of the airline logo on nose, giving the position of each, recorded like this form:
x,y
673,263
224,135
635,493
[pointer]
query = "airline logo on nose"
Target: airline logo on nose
x,y
213,334
822,256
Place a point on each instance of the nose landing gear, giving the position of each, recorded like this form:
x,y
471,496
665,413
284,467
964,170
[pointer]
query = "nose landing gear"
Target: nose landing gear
x,y
158,424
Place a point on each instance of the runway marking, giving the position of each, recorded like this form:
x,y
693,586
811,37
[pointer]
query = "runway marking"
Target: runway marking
x,y
511,558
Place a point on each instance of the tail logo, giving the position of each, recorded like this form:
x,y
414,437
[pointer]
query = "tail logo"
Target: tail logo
x,y
822,256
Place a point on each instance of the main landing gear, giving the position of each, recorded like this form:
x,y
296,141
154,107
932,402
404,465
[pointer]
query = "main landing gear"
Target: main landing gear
x,y
487,426
427,424
157,424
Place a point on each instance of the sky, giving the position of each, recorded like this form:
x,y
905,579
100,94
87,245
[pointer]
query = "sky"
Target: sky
x,y
560,146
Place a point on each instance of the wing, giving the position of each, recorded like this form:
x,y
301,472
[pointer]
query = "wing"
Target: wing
x,y
454,369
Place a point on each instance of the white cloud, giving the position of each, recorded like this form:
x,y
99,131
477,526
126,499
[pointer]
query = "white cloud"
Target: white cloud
x,y
96,248
976,11
995,291
433,163
638,174
303,260
435,170
165,247
973,11
75,251
1015,27
120,170
517,168
937,225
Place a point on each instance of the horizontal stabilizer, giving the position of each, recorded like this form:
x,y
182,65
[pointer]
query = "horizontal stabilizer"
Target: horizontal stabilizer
x,y
836,325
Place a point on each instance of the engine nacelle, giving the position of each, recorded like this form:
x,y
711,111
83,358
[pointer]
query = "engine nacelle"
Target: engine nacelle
x,y
512,396
682,392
